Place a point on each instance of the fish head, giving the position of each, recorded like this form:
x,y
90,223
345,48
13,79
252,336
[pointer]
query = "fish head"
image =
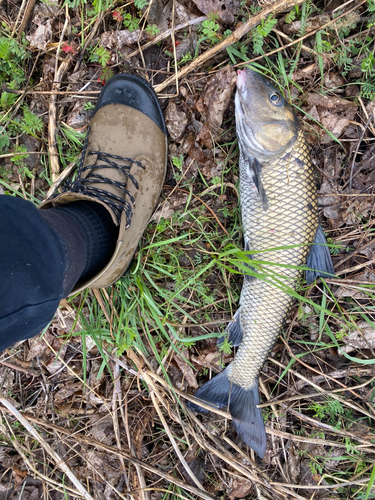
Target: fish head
x,y
266,124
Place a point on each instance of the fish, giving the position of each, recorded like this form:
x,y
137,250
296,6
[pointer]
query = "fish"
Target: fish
x,y
281,227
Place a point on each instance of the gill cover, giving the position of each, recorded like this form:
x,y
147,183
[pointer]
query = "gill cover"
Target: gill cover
x,y
266,124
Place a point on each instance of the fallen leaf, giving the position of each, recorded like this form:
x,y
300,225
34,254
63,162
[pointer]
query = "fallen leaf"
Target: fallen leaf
x,y
186,370
175,120
102,428
42,35
118,40
67,392
362,338
226,9
332,103
215,99
77,118
331,204
240,488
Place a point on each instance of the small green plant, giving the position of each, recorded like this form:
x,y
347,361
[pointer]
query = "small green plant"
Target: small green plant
x,y
88,105
140,4
368,65
130,22
4,139
100,55
19,161
152,30
12,56
30,123
260,32
209,30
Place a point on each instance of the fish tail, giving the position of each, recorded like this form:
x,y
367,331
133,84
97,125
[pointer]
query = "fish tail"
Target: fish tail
x,y
247,418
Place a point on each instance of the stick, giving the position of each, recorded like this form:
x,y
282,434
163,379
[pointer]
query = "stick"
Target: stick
x,y
52,125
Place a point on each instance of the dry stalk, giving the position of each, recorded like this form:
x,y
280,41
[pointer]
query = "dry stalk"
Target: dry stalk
x,y
56,458
275,8
166,34
52,122
26,17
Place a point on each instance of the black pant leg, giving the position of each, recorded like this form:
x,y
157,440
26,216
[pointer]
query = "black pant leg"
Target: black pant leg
x,y
33,264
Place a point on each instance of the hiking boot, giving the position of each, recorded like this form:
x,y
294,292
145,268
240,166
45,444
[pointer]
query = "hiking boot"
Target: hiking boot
x,y
123,167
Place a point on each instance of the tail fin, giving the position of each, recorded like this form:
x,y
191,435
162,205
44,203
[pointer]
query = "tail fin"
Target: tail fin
x,y
247,418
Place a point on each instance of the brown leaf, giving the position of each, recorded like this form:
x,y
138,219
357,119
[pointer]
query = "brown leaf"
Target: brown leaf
x,y
113,40
362,338
215,98
333,80
358,207
102,429
66,392
331,204
240,488
187,371
226,9
77,118
42,35
175,120
332,103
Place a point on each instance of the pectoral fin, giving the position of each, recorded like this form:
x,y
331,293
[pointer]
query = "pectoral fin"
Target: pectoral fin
x,y
255,174
319,260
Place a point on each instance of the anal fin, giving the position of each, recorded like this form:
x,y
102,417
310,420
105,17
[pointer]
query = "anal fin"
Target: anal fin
x,y
319,260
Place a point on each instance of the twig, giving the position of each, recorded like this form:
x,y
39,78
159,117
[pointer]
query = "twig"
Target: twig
x,y
52,125
57,459
275,8
28,13
60,179
166,34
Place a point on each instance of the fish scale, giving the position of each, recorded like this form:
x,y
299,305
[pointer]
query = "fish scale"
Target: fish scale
x,y
291,219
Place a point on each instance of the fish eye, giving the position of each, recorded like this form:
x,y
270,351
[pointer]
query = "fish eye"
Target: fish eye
x,y
275,98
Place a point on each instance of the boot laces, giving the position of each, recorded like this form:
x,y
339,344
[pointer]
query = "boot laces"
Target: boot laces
x,y
83,185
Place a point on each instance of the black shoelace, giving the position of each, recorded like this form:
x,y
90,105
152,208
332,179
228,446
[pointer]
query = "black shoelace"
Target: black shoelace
x,y
84,185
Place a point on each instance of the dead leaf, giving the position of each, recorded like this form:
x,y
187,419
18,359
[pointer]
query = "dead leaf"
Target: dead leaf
x,y
77,118
226,9
186,370
331,204
42,35
67,392
113,40
102,429
333,80
362,338
313,23
215,99
240,488
332,103
175,120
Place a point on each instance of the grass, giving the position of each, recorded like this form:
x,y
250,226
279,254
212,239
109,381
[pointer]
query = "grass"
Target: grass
x,y
184,285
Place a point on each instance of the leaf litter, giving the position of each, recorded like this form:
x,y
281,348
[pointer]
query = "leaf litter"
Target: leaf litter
x,y
119,423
